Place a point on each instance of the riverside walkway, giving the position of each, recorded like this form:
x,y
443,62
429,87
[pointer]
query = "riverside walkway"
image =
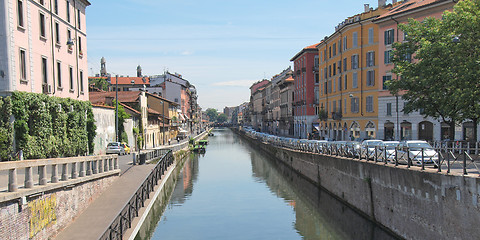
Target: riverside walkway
x,y
96,219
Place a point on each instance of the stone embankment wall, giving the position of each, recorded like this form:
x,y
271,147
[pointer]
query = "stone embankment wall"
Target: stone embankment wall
x,y
412,203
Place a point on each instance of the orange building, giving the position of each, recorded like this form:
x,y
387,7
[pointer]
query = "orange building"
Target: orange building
x,y
348,64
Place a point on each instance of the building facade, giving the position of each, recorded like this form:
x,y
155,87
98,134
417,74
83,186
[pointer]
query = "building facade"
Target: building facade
x,y
348,66
305,105
43,48
393,123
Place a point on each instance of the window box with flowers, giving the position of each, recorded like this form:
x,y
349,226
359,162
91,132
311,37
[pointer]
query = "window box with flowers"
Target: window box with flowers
x,y
80,53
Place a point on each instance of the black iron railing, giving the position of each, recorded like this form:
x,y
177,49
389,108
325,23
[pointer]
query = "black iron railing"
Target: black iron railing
x,y
124,219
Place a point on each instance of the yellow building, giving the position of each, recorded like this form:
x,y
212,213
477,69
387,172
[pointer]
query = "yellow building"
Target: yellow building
x,y
348,65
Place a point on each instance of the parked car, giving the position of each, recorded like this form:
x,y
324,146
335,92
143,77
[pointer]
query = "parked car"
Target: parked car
x,y
369,146
418,151
388,149
126,147
115,148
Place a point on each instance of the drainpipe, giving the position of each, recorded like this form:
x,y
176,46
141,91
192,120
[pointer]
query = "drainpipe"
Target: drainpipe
x,y
53,49
76,49
397,128
360,62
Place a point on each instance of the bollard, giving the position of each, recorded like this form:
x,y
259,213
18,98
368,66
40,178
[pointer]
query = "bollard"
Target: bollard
x,y
134,158
143,158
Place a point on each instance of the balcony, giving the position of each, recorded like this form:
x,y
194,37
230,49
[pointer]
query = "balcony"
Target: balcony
x,y
336,115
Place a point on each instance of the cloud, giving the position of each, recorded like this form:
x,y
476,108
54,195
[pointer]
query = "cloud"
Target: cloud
x,y
187,53
236,83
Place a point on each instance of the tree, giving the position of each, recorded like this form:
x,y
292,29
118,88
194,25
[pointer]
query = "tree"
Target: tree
x,y
443,78
222,118
100,83
212,114
122,116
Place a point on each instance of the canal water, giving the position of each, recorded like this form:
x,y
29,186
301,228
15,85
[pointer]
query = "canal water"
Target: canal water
x,y
234,191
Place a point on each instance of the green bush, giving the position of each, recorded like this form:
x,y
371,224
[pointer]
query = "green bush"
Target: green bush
x,y
45,126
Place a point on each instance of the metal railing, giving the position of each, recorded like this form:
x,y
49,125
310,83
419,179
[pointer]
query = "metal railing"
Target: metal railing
x,y
454,159
124,219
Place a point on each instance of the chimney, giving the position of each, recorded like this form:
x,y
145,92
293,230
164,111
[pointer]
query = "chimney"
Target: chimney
x,y
382,3
367,7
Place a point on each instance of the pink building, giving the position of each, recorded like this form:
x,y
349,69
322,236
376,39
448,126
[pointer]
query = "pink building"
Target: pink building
x,y
393,124
43,47
305,105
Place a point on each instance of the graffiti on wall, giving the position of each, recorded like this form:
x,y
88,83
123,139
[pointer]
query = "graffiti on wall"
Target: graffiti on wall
x,y
42,213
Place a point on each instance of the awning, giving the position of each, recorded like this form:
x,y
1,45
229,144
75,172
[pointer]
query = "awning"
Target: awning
x,y
316,126
181,116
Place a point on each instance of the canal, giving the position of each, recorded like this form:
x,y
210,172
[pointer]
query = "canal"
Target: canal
x,y
234,191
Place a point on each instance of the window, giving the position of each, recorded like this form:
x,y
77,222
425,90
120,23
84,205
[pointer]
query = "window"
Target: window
x,y
345,82
389,109
334,69
80,45
369,104
315,62
42,25
329,86
334,85
389,37
345,43
370,36
41,2
20,13
55,6
23,65
334,106
57,33
59,74
70,72
339,46
370,78
334,49
354,61
325,73
354,105
354,39
330,71
44,70
370,59
68,11
78,19
339,64
81,81
345,64
330,52
355,80
388,56
339,84
385,79
69,38
345,105
316,78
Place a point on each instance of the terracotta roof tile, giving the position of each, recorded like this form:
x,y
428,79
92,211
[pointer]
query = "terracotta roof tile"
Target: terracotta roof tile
x,y
407,6
123,96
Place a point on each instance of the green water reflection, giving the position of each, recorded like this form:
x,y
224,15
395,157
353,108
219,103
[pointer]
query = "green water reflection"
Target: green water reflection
x,y
236,192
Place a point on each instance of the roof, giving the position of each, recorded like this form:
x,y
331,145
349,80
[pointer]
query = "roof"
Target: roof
x,y
123,96
289,79
128,80
129,108
311,48
161,98
407,6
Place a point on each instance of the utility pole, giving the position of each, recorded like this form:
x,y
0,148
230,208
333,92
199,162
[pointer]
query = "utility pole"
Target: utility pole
x,y
116,107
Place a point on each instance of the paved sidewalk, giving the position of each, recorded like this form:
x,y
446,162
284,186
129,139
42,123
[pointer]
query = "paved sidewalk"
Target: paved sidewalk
x,y
93,222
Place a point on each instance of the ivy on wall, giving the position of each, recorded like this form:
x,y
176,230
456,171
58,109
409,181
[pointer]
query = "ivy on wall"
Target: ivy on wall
x,y
6,129
47,127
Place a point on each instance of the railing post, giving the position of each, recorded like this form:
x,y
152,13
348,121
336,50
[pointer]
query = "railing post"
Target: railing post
x,y
89,168
12,180
423,160
448,162
74,170
95,166
42,175
28,177
396,156
439,160
64,172
54,173
100,165
82,169
116,162
465,163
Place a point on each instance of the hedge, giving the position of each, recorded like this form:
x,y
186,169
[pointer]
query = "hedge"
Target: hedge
x,y
45,126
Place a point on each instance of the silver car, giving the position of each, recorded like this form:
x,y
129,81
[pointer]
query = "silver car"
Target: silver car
x,y
418,151
115,148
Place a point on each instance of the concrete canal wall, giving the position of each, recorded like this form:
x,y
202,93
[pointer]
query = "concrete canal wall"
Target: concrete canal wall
x,y
414,204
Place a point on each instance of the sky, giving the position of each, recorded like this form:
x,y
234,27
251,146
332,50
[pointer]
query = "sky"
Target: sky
x,y
220,46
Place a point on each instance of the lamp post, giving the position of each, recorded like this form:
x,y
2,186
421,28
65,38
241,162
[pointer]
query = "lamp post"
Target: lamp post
x,y
116,107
